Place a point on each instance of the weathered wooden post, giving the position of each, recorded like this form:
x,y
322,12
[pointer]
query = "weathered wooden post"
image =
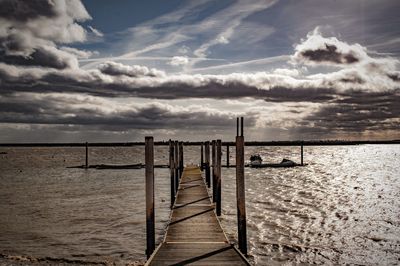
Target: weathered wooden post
x,y
201,157
180,159
213,164
218,177
176,150
87,155
240,191
207,154
172,171
150,226
302,153
227,155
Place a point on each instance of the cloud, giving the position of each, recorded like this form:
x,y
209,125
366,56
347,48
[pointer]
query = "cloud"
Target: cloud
x,y
76,109
117,69
316,49
31,30
42,83
179,61
80,54
96,32
355,112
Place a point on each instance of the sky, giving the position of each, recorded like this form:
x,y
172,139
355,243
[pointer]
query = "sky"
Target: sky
x,y
111,71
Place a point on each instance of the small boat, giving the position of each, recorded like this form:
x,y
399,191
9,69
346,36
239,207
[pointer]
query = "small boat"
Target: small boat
x,y
255,160
283,163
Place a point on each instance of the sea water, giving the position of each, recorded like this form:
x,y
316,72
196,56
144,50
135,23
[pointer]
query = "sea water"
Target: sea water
x,y
342,208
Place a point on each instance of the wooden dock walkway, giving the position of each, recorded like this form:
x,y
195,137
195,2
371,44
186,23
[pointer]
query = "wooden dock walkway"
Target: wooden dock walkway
x,y
194,235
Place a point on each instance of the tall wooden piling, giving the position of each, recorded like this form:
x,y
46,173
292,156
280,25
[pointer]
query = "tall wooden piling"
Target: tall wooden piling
x,y
172,171
227,155
150,222
180,158
218,178
87,155
302,153
176,156
214,178
240,192
207,165
201,157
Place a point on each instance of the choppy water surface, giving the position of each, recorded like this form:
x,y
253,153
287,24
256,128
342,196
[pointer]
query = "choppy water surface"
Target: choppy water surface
x,y
344,207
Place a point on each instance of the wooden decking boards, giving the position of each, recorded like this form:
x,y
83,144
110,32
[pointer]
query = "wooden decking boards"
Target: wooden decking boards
x,y
194,234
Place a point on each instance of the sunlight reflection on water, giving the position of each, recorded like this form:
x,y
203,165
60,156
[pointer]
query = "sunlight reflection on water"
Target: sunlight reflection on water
x,y
342,208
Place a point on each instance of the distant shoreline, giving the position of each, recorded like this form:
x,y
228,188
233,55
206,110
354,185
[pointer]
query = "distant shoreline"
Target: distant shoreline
x,y
197,143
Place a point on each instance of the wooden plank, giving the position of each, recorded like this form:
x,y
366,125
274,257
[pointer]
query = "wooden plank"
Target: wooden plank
x,y
194,235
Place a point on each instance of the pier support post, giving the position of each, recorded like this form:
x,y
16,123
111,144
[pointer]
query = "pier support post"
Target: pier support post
x,y
218,177
207,166
227,155
302,153
240,192
214,177
176,161
150,226
87,155
172,171
180,159
201,157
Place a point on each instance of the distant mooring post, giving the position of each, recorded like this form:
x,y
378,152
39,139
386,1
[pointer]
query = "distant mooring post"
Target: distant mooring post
x,y
227,155
214,178
180,159
240,189
87,155
176,156
150,227
201,157
302,152
172,171
218,178
207,166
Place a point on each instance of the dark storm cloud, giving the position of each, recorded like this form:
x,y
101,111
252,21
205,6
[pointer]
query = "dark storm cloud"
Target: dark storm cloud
x,y
329,54
356,112
54,109
41,57
25,10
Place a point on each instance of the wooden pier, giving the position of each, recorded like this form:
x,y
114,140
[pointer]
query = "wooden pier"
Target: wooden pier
x,y
194,235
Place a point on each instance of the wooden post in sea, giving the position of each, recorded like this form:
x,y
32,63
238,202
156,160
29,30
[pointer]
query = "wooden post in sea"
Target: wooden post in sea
x,y
207,165
240,191
150,225
227,155
302,153
214,179
87,155
172,171
176,155
180,159
218,178
201,157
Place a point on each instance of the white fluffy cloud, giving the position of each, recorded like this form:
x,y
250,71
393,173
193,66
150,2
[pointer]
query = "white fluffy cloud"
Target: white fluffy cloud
x,y
179,61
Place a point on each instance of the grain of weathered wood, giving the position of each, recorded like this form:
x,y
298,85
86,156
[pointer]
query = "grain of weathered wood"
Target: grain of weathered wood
x,y
194,235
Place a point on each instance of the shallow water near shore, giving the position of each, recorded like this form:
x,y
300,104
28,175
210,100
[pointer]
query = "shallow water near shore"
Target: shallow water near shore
x,y
342,208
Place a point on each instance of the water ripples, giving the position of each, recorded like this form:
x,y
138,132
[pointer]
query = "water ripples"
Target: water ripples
x,y
342,208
